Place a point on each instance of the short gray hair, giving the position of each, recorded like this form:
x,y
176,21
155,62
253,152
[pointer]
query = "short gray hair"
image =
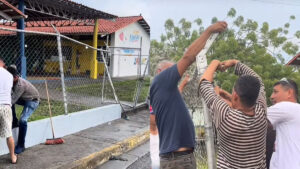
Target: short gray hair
x,y
289,84
162,63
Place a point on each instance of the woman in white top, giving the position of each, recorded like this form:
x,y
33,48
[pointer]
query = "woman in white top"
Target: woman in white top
x,y
6,83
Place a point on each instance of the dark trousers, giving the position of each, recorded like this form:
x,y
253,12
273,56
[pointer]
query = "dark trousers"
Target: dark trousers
x,y
15,122
270,140
186,161
28,108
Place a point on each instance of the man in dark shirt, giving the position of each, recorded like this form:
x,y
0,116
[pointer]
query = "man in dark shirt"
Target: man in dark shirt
x,y
25,94
175,126
154,138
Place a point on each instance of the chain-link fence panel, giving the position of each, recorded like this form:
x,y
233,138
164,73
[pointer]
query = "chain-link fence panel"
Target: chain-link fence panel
x,y
89,80
130,70
79,77
196,109
82,87
40,50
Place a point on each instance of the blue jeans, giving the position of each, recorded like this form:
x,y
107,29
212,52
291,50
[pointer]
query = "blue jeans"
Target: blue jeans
x,y
28,108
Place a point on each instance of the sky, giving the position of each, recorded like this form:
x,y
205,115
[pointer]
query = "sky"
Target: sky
x,y
156,12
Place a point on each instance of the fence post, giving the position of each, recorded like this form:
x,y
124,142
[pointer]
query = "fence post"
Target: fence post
x,y
201,62
139,75
103,83
209,138
139,85
61,68
140,58
111,83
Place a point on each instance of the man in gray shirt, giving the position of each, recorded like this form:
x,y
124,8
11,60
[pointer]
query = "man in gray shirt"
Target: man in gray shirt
x,y
25,94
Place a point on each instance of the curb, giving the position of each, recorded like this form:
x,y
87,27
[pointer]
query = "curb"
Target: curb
x,y
141,157
104,155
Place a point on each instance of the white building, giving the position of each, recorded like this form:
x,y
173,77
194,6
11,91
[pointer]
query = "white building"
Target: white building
x,y
130,49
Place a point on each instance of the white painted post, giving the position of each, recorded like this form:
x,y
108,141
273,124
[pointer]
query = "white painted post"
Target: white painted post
x,y
61,68
201,61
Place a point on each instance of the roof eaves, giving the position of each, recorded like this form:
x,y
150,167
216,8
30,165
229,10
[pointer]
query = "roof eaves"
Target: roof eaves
x,y
293,59
18,12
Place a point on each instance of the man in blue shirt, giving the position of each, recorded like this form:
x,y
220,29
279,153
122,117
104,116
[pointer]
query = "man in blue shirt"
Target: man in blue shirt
x,y
154,138
175,126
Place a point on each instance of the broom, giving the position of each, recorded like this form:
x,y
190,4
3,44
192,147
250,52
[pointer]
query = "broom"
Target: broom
x,y
54,140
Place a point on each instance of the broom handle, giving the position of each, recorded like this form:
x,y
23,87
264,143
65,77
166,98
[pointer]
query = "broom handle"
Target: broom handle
x,y
49,109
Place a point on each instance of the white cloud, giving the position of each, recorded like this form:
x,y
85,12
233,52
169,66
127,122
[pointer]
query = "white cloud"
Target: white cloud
x,y
156,12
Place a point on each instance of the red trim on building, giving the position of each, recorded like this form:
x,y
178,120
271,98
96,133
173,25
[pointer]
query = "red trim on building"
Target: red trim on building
x,y
294,61
77,27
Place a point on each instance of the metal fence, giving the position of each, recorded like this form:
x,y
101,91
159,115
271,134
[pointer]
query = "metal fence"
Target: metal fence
x,y
66,65
138,71
196,108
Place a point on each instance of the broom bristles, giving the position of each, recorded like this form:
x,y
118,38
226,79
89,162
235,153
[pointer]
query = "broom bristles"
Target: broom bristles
x,y
54,141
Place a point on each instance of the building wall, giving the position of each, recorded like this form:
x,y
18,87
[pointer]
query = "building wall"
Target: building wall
x,y
125,59
125,55
80,60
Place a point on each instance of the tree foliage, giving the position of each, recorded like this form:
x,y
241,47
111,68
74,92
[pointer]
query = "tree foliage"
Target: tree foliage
x,y
258,46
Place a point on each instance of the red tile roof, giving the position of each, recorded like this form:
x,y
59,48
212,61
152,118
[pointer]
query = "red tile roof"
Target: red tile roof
x,y
80,27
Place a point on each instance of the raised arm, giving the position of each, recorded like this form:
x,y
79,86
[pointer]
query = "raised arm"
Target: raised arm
x,y
219,107
190,55
224,95
242,69
183,83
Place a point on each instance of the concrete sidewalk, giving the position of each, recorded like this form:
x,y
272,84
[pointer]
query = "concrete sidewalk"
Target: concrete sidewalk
x,y
88,148
138,158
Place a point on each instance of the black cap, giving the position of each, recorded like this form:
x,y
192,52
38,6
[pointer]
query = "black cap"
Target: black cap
x,y
13,70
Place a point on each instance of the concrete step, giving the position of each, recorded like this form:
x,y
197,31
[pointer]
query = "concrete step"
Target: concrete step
x,y
127,160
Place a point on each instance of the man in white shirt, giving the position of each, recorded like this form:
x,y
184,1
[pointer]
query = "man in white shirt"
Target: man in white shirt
x,y
284,116
6,83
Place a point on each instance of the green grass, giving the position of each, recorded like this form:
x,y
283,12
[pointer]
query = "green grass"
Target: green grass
x,y
42,111
124,90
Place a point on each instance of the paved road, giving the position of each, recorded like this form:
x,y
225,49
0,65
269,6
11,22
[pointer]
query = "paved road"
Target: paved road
x,y
138,158
142,163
